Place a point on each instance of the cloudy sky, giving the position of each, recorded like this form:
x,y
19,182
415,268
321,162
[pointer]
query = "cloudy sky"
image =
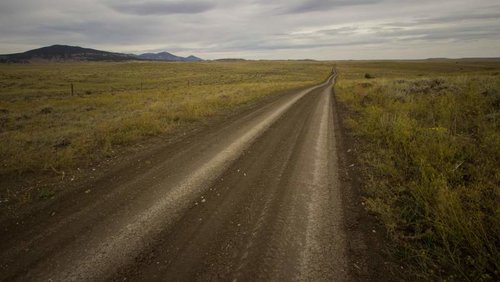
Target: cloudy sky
x,y
259,29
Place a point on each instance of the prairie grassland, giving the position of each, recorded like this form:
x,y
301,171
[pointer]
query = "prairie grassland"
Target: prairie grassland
x,y
43,128
428,140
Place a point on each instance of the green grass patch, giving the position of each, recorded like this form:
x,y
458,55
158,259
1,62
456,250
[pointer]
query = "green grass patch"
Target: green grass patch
x,y
429,138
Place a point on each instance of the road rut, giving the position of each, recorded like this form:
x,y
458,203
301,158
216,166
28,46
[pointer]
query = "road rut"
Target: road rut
x,y
259,198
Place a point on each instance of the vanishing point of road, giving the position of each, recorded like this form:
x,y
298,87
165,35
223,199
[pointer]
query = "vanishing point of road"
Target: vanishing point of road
x,y
257,198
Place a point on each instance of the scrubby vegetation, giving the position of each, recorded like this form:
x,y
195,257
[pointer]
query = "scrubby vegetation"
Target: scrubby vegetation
x,y
428,139
43,128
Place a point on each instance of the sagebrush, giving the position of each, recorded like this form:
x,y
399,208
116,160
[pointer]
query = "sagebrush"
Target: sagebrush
x,y
429,141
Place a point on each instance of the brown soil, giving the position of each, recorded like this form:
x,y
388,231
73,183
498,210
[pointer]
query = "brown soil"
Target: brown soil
x,y
268,194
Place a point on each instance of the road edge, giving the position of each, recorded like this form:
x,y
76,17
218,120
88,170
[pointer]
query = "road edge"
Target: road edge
x,y
366,246
123,158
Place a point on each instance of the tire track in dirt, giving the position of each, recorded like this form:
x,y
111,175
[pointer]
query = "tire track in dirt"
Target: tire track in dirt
x,y
95,241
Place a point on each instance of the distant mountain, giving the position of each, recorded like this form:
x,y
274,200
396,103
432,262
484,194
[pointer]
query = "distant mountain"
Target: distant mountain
x,y
230,60
163,56
166,56
75,53
192,59
65,53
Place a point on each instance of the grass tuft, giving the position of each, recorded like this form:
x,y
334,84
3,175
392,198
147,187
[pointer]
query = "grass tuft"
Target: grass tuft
x,y
44,128
430,148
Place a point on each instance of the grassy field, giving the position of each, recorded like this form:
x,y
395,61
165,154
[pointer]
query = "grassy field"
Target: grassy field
x,y
426,133
44,129
427,137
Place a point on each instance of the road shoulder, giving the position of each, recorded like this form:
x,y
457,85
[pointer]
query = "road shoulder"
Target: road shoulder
x,y
366,247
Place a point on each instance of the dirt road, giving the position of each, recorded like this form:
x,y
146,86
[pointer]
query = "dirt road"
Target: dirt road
x,y
256,198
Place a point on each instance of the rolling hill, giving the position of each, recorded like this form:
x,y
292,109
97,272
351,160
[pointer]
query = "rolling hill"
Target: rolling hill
x,y
76,53
166,56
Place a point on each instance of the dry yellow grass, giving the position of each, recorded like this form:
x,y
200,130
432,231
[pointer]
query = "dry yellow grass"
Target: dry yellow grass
x,y
429,143
43,128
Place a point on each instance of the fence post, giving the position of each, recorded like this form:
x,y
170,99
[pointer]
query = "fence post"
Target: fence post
x,y
72,90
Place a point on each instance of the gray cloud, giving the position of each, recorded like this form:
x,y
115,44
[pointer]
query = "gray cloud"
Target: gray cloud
x,y
430,34
272,29
325,5
454,18
161,7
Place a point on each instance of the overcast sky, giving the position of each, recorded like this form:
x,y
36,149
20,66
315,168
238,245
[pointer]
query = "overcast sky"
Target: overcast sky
x,y
259,29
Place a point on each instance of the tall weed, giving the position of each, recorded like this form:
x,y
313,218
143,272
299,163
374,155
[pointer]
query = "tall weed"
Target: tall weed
x,y
430,147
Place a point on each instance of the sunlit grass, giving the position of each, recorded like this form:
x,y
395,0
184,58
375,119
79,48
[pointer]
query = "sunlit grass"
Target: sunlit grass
x,y
44,128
